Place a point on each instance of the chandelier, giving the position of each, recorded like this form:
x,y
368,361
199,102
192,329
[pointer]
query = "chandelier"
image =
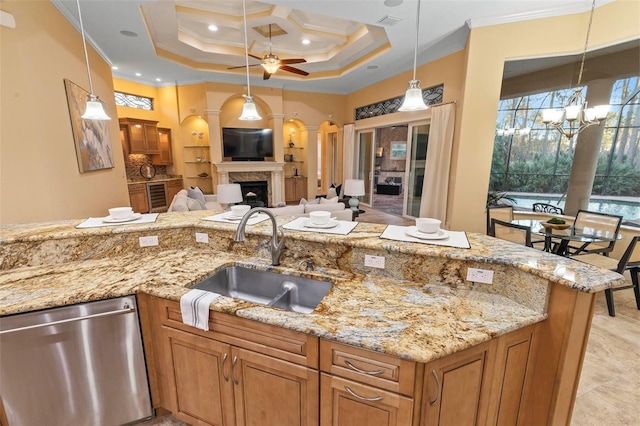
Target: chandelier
x,y
576,113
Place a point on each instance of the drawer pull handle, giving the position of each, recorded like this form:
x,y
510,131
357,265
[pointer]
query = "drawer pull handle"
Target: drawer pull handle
x,y
375,398
233,370
435,376
354,368
224,362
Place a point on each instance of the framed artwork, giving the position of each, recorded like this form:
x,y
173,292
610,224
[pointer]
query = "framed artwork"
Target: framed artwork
x,y
91,137
398,150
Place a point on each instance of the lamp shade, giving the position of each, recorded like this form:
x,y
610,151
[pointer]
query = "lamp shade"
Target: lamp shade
x,y
249,111
413,98
94,110
354,187
229,193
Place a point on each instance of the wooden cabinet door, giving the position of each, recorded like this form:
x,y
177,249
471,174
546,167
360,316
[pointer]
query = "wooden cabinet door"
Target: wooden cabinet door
x,y
172,188
138,198
301,188
348,403
151,138
512,358
269,391
455,393
137,143
165,157
289,190
200,386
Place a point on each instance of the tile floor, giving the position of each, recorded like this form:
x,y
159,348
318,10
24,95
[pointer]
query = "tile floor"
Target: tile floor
x,y
609,390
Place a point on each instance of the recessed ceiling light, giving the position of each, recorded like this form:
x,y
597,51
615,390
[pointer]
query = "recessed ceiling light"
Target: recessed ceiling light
x,y
392,3
306,41
158,79
114,67
212,28
128,33
372,67
138,74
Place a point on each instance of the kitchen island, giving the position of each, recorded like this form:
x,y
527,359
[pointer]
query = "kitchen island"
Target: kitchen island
x,y
419,309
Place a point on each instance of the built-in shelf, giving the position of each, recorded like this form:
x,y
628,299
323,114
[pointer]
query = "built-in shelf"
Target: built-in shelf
x,y
198,177
196,146
198,162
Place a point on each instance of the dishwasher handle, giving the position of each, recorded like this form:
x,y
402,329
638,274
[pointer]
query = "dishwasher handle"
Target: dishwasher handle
x,y
126,310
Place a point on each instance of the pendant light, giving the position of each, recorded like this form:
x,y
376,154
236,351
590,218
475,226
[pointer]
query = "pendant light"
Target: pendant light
x,y
94,110
576,112
413,98
249,111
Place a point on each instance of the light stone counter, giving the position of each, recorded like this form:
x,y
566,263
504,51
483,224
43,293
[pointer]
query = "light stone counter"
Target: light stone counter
x,y
419,307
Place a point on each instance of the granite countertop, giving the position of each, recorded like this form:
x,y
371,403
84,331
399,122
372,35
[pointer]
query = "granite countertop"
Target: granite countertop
x,y
422,320
157,178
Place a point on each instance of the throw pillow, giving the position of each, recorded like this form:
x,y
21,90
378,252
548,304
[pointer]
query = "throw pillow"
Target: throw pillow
x,y
196,194
338,188
303,201
329,200
194,204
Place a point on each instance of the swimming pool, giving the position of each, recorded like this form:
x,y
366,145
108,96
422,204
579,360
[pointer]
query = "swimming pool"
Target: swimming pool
x,y
629,209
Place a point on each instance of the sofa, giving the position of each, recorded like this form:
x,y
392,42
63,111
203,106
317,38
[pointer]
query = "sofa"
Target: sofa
x,y
336,208
183,203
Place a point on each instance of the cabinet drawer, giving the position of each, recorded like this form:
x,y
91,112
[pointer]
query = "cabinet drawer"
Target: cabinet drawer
x,y
285,344
384,371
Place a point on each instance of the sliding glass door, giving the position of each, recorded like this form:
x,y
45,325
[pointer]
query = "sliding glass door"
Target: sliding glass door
x,y
417,159
365,162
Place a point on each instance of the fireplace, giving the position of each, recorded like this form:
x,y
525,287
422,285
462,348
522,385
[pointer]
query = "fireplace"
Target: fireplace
x,y
251,171
261,190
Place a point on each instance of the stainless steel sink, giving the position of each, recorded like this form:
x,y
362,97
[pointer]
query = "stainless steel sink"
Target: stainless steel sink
x,y
287,292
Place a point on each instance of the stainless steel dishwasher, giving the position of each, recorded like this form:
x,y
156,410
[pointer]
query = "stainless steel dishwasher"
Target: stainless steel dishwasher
x,y
74,365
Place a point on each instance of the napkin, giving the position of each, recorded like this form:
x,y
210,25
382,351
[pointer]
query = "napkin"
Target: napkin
x,y
194,306
455,239
97,222
343,227
256,218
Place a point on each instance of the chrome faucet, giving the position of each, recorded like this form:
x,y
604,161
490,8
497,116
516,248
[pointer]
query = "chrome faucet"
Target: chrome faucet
x,y
276,246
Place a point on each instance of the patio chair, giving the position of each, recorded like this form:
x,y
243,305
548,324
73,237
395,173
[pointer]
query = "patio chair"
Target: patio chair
x,y
547,208
619,266
503,213
595,222
519,234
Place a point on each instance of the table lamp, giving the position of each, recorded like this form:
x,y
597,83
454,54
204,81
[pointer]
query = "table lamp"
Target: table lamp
x,y
229,193
354,188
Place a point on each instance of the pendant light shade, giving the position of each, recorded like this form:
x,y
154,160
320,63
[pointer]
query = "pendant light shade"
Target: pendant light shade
x,y
94,109
249,111
413,98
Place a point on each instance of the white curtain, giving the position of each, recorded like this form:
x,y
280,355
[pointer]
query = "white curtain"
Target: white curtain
x,y
436,177
348,152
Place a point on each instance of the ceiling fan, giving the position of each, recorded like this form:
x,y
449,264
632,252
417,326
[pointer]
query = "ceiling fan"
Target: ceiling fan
x,y
272,63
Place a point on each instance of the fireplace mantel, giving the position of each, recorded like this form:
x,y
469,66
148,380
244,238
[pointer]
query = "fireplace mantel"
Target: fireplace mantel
x,y
274,168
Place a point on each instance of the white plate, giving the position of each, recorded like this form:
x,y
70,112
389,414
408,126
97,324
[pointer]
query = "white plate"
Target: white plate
x,y
412,231
134,216
331,224
231,216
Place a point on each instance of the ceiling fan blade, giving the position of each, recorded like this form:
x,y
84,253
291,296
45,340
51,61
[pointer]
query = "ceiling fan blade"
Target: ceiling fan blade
x,y
244,66
255,57
292,61
293,70
266,75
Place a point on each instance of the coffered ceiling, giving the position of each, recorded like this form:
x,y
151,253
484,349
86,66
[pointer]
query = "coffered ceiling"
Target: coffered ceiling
x,y
351,44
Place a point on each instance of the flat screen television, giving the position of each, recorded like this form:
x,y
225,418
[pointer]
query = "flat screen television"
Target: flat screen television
x,y
247,144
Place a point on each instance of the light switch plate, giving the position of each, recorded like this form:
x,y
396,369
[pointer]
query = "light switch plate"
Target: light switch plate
x,y
374,261
148,241
202,237
480,276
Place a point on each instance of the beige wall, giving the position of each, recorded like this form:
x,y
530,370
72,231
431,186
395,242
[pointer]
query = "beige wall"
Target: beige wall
x,y
40,179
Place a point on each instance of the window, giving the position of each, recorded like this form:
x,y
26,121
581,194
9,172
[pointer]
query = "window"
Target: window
x,y
133,101
530,158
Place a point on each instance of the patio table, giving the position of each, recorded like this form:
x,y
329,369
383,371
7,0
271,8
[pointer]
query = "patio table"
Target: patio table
x,y
565,236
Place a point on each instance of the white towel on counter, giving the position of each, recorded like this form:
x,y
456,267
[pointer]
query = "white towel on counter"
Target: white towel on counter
x,y
194,306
